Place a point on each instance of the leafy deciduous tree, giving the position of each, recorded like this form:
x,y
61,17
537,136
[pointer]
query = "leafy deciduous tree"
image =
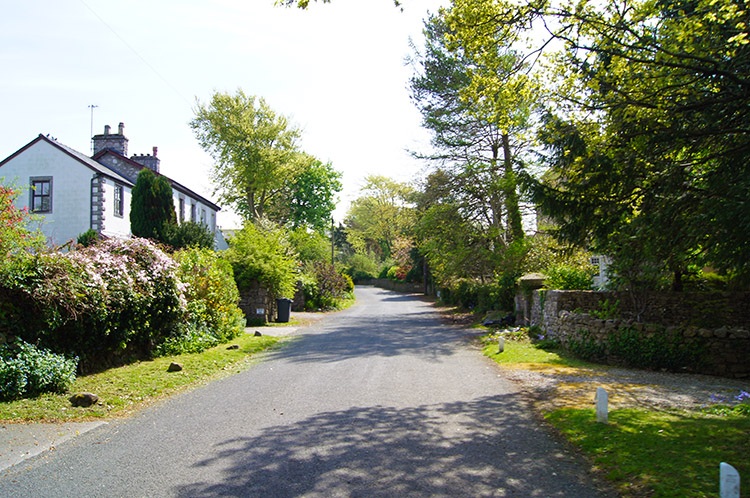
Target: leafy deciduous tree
x,y
254,149
653,145
479,117
259,170
380,215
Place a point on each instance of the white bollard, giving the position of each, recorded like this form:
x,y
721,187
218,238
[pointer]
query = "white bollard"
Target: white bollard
x,y
500,345
729,481
602,411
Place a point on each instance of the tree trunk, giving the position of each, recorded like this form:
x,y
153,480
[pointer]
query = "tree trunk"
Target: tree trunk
x,y
515,226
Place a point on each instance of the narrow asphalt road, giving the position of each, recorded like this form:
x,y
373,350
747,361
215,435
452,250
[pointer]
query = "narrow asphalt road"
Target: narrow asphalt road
x,y
378,400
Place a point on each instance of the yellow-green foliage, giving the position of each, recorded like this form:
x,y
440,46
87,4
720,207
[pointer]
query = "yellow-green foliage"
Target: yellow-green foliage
x,y
263,254
211,292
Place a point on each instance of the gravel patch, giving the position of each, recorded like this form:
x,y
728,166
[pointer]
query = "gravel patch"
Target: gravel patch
x,y
553,387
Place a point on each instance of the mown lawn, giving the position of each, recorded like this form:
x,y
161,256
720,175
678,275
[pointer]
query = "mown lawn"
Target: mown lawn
x,y
122,390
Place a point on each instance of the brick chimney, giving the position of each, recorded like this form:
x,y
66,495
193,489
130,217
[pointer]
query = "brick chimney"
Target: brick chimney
x,y
147,160
116,142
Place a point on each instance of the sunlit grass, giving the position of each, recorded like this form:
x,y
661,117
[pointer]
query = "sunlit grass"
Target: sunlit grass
x,y
643,453
658,454
124,389
524,351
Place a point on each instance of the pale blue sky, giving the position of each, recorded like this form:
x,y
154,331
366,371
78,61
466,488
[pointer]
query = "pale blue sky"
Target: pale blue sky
x,y
337,70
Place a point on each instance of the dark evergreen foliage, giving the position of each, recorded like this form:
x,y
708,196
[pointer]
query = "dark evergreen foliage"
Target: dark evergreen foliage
x,y
151,206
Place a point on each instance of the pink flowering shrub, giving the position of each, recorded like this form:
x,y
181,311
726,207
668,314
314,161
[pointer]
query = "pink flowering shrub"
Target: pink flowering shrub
x,y
107,303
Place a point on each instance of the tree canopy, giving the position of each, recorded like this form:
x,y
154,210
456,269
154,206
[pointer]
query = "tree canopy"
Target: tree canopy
x,y
312,195
648,133
379,216
259,169
480,117
254,149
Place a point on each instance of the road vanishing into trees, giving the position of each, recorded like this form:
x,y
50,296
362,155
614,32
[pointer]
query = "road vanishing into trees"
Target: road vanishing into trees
x,y
378,400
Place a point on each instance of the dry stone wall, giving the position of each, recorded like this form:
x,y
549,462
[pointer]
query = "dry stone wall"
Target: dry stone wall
x,y
717,324
257,304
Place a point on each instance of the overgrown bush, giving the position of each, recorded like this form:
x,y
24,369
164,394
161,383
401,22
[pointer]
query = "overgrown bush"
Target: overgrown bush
x,y
480,297
569,276
361,267
191,340
106,303
15,236
88,238
211,294
396,273
188,234
324,287
262,253
310,246
27,371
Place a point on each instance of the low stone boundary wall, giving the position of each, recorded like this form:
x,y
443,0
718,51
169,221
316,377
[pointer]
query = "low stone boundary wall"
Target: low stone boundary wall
x,y
717,323
725,351
705,310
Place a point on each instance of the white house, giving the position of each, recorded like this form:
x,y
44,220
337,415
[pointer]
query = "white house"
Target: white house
x,y
74,192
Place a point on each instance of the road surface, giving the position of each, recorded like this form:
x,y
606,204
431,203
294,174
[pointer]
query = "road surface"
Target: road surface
x,y
378,400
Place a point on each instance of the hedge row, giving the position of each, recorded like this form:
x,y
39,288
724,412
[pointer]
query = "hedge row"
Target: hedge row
x,y
480,297
118,300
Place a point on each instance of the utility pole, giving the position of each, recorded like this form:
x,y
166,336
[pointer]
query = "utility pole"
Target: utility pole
x,y
333,245
92,106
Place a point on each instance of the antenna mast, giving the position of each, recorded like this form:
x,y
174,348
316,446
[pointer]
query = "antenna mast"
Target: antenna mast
x,y
92,106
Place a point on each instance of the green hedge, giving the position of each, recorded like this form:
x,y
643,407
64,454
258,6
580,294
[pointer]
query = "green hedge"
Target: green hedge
x,y
119,300
480,297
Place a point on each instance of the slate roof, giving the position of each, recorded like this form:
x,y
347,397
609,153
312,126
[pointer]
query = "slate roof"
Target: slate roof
x,y
106,170
83,159
175,185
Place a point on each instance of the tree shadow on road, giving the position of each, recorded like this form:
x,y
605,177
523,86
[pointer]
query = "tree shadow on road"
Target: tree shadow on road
x,y
417,333
486,447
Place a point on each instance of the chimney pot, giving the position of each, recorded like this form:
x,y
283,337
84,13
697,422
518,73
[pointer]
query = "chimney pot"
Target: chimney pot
x,y
121,129
106,129
156,149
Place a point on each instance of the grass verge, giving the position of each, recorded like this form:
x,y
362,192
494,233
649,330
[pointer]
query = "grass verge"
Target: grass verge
x,y
643,453
523,351
657,454
124,389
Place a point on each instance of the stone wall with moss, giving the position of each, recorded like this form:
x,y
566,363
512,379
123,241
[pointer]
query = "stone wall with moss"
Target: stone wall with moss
x,y
706,310
723,351
714,326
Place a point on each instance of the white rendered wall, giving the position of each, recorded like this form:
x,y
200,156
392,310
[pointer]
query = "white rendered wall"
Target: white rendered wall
x,y
116,226
71,189
199,206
